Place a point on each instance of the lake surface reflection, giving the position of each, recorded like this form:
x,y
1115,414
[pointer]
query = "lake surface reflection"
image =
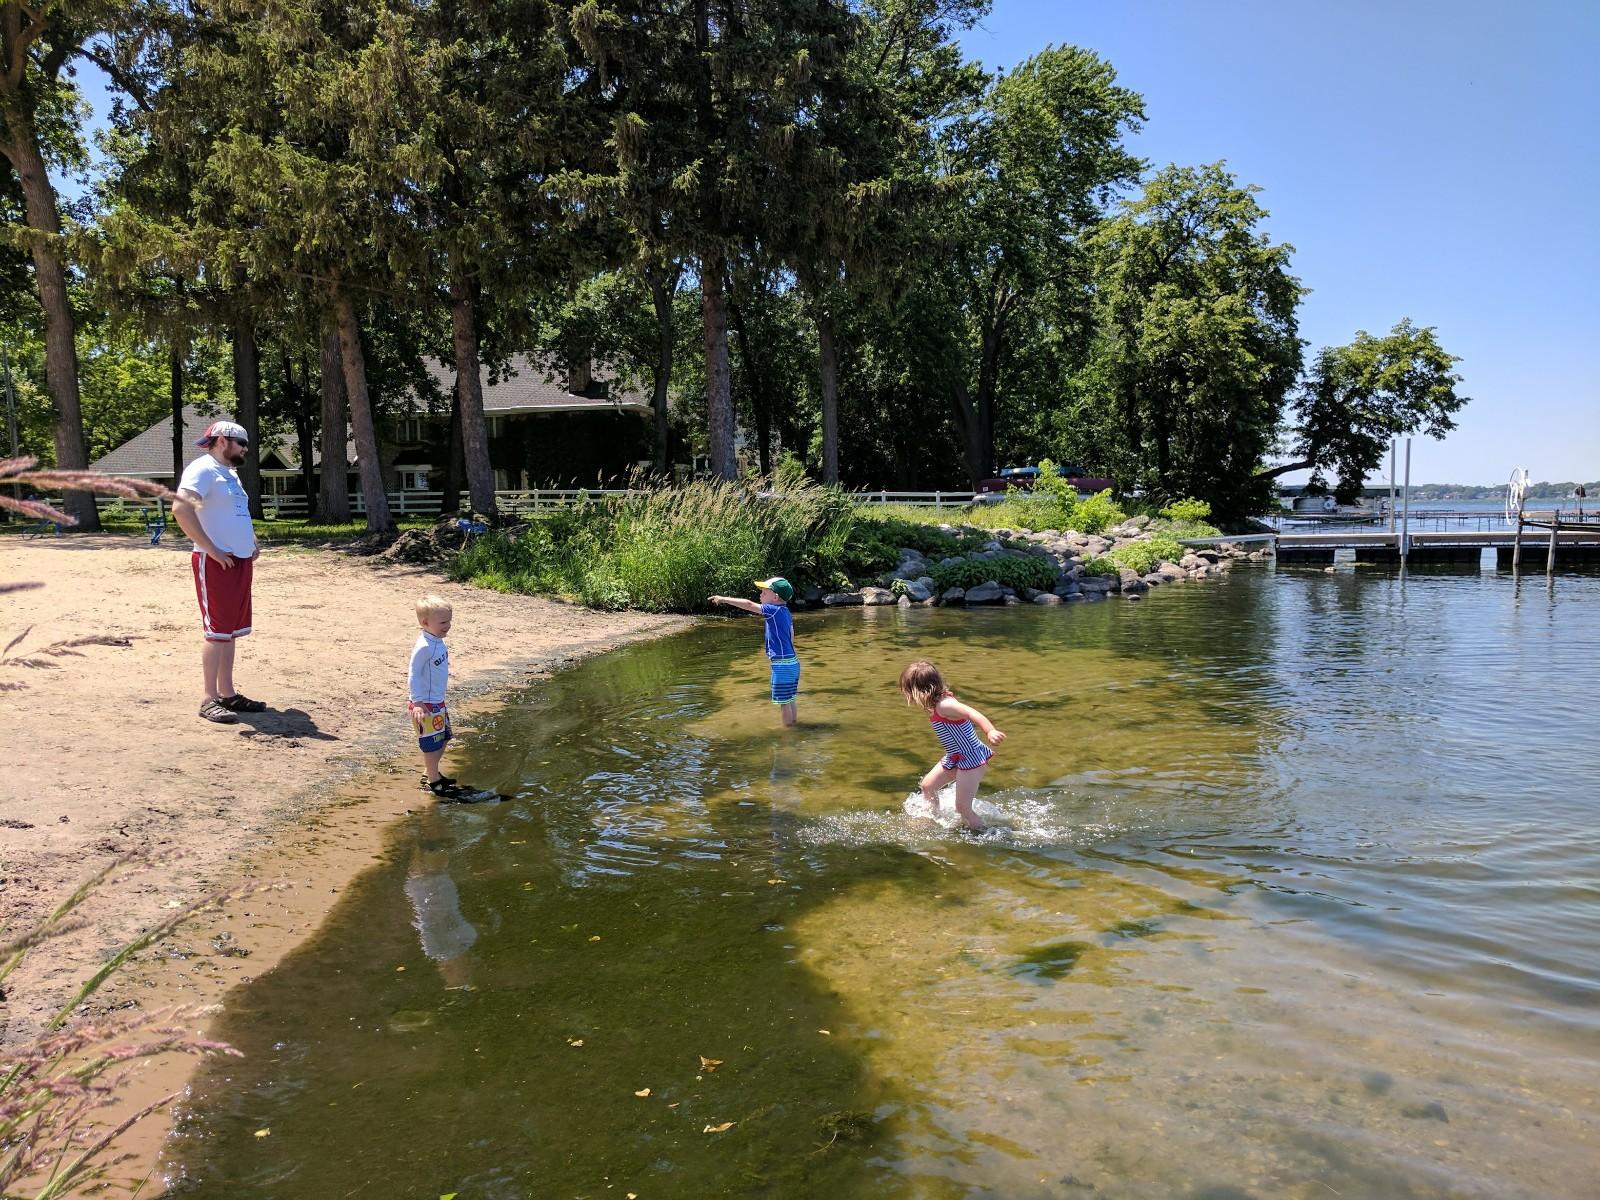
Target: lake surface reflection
x,y
1293,893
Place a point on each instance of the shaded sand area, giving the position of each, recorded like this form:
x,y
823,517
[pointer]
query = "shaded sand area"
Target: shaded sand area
x,y
107,755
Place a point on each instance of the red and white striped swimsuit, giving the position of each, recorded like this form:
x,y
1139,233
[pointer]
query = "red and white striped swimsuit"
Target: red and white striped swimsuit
x,y
964,750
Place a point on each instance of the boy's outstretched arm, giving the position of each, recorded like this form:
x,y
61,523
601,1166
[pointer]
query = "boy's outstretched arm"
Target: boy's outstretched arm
x,y
749,606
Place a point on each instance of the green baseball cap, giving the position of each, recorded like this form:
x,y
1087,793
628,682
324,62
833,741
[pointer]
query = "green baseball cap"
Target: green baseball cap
x,y
778,584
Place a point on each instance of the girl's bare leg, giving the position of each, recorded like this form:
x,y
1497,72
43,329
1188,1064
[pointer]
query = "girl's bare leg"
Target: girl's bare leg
x,y
966,792
933,783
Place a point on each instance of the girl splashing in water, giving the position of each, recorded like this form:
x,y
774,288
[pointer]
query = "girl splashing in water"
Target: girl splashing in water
x,y
966,758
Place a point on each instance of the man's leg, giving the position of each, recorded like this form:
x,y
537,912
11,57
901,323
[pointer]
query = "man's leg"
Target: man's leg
x,y
211,664
224,669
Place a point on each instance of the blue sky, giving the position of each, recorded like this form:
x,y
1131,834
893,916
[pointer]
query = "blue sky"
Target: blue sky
x,y
1426,159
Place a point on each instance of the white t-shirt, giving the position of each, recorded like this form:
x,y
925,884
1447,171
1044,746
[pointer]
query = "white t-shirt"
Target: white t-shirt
x,y
430,669
224,506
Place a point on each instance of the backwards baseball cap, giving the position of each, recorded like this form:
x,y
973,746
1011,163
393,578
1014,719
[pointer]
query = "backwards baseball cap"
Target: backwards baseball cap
x,y
227,429
778,584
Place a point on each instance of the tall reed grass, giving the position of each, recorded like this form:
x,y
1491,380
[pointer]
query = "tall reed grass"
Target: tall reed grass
x,y
668,549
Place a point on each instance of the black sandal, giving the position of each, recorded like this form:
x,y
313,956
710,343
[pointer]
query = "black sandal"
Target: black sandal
x,y
217,712
444,788
443,778
239,702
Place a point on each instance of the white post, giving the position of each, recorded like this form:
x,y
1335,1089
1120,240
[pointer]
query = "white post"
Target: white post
x,y
1391,484
1405,518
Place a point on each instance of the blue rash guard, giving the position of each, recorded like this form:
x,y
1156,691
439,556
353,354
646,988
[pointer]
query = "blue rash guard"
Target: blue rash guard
x,y
780,649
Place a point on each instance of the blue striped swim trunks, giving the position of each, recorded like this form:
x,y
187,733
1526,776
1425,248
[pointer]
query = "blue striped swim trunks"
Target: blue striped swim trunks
x,y
785,680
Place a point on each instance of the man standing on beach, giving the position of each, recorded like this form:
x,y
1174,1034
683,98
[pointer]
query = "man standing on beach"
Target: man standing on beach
x,y
213,509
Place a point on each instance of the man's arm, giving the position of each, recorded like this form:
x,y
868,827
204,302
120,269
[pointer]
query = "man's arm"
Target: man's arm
x,y
188,517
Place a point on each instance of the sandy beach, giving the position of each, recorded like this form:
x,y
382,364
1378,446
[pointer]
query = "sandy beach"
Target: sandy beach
x,y
109,758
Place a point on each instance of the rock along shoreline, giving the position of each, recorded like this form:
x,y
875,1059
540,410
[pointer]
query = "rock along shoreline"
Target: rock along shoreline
x,y
912,583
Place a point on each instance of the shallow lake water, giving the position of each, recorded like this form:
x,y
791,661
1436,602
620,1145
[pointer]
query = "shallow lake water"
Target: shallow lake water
x,y
1293,891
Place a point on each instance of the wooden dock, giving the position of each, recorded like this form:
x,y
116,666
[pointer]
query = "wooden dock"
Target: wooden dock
x,y
1573,543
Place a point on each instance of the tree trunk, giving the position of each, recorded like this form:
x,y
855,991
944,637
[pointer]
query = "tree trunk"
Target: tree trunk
x,y
969,418
719,384
828,376
760,404
247,390
469,389
368,461
455,469
661,297
175,390
305,428
60,334
333,502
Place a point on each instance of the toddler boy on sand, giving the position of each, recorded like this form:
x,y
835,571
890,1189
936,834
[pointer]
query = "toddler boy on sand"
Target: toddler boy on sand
x,y
774,611
430,675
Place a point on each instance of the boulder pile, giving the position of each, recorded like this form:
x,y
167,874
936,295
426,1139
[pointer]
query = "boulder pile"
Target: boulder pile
x,y
911,582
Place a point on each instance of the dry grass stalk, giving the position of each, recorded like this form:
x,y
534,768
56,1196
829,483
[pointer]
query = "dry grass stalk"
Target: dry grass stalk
x,y
52,1087
23,471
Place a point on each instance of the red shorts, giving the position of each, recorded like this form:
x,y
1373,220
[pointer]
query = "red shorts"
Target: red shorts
x,y
224,596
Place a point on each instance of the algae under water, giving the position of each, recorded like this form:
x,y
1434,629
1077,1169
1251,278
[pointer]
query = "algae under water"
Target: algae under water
x,y
1293,894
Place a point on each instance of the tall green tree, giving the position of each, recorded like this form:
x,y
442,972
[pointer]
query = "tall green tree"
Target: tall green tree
x,y
709,99
38,126
1040,160
1357,397
1196,346
864,168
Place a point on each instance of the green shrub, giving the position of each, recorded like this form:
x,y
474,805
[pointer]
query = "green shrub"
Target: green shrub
x,y
1187,510
1100,565
1095,514
1011,570
1142,556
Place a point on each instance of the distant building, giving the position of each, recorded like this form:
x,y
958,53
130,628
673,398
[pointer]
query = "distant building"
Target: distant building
x,y
544,430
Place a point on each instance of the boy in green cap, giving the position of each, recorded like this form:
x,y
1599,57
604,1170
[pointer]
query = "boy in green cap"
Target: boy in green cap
x,y
774,609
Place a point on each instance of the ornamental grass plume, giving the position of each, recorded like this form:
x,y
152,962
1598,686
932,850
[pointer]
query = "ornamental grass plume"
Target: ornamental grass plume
x,y
22,471
52,1086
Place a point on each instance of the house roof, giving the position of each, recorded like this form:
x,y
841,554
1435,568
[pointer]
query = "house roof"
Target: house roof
x,y
535,385
529,387
149,454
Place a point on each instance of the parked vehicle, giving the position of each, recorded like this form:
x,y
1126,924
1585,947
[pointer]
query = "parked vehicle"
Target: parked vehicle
x,y
1022,478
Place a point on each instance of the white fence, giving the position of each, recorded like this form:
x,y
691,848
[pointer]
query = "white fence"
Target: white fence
x,y
408,504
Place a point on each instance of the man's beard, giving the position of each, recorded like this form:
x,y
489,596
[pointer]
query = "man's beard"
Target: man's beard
x,y
236,458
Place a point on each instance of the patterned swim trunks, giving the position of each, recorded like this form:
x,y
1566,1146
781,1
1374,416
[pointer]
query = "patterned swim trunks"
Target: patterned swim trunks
x,y
785,680
432,722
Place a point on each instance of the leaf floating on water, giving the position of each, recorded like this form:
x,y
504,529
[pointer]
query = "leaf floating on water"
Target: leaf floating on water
x,y
723,1128
595,938
574,1041
775,882
825,1032
642,1093
448,1196
709,1064
264,1132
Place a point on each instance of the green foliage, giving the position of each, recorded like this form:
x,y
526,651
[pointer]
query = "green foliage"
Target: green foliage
x,y
666,550
1196,344
1100,565
1011,570
1361,395
1095,514
1143,555
1187,510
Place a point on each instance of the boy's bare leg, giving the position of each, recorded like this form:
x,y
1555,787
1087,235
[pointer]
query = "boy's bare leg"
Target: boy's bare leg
x,y
966,792
430,763
934,782
790,714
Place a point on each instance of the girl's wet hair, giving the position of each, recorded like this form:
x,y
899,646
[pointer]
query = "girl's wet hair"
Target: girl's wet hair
x,y
921,683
